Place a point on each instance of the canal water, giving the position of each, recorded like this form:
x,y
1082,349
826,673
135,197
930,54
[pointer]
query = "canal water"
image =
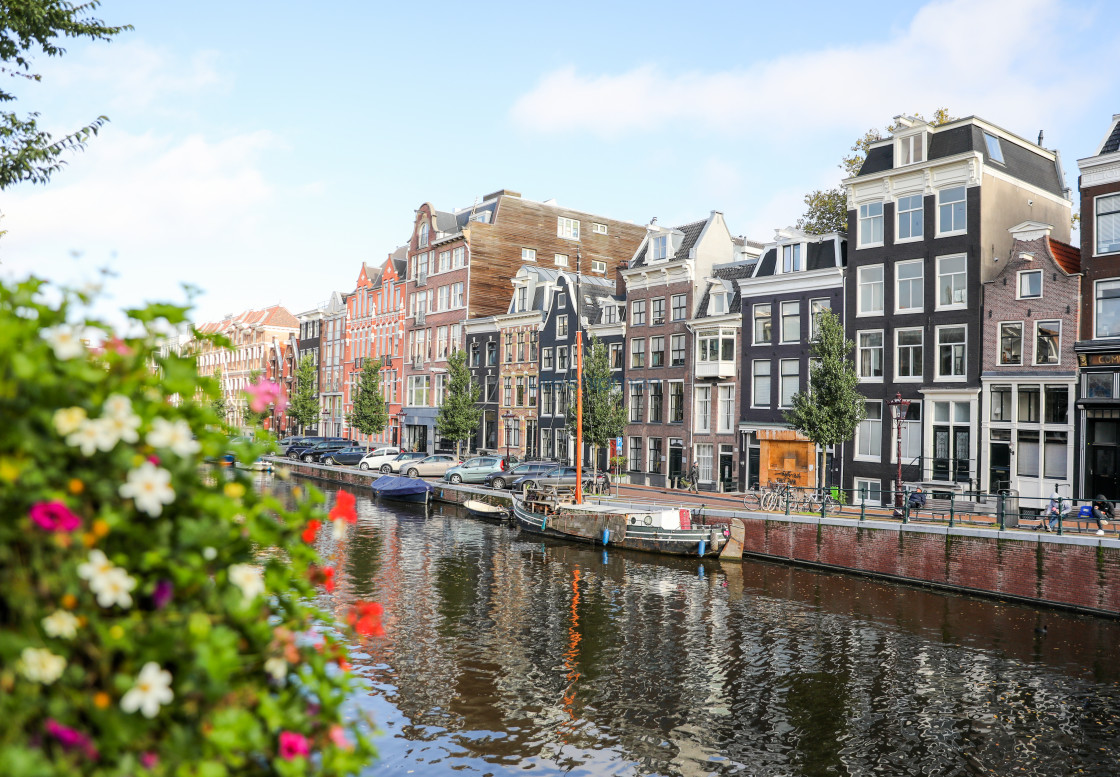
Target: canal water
x,y
506,654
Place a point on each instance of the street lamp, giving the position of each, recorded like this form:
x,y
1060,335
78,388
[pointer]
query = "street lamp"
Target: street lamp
x,y
400,429
898,406
508,416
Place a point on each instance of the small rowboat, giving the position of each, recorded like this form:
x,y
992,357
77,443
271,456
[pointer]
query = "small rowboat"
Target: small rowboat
x,y
487,512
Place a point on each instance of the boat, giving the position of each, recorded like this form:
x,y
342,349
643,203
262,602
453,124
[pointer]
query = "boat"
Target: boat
x,y
487,512
674,532
402,489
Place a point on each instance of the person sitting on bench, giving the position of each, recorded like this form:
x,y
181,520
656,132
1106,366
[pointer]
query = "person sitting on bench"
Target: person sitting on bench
x,y
1103,512
916,500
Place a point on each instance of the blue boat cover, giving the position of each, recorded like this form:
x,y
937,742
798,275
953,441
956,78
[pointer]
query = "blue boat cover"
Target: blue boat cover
x,y
395,485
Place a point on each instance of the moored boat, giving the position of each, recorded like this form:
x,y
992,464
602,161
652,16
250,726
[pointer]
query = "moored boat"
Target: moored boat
x,y
402,489
668,531
487,512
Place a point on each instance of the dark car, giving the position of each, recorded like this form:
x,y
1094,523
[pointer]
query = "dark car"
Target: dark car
x,y
315,453
349,455
295,450
395,464
557,476
505,478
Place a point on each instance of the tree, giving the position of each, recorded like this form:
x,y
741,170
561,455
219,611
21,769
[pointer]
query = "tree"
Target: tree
x,y
218,403
28,153
604,411
369,415
827,209
459,414
829,412
304,407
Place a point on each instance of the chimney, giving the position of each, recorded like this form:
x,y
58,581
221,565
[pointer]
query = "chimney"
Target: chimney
x,y
1040,138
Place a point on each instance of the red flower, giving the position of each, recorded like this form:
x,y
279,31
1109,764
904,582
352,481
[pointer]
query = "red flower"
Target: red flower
x,y
293,745
344,507
365,617
54,516
311,530
323,576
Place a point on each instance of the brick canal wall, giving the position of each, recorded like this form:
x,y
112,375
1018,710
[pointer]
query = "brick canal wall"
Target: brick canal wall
x,y
1081,573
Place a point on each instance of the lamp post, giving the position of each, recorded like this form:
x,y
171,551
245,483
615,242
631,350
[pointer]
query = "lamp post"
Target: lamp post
x,y
508,418
898,406
400,429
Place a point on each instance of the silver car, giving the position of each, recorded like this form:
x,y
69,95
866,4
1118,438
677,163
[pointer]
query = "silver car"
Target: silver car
x,y
432,466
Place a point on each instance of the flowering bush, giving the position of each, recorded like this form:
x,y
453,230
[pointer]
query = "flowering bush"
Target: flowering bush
x,y
140,634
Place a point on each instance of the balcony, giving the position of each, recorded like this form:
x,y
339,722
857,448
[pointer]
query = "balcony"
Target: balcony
x,y
716,369
421,317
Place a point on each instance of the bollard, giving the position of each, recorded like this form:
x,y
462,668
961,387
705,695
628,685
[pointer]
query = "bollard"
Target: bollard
x,y
905,508
1002,512
862,509
952,495
1060,516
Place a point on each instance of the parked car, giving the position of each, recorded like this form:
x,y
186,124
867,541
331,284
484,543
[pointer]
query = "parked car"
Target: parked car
x,y
505,478
315,453
351,455
475,470
378,456
432,466
558,476
295,450
394,464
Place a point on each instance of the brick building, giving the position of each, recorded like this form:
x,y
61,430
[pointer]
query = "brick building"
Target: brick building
x,y
1098,351
1029,371
459,266
481,342
308,344
332,338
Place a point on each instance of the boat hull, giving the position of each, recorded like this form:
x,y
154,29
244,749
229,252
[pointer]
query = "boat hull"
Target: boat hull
x,y
485,512
649,539
402,489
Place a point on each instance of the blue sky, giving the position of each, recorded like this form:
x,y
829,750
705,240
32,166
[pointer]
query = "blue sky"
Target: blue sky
x,y
262,151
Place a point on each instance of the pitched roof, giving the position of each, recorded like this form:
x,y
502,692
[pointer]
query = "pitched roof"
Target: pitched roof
x,y
731,273
1067,257
275,316
691,235
1112,143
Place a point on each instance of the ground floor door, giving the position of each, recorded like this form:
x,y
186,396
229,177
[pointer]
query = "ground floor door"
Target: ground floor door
x,y
1102,475
752,466
726,468
532,448
416,437
951,453
999,467
490,430
676,457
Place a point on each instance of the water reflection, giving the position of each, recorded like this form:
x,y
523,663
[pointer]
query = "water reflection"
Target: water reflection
x,y
505,653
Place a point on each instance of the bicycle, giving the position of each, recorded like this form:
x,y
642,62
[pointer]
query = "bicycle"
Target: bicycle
x,y
824,500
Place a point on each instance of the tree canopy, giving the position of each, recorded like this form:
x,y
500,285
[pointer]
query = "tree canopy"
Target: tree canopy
x,y
304,406
604,411
28,153
459,416
370,415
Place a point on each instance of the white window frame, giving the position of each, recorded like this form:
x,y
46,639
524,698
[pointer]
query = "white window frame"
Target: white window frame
x,y
769,376
1097,223
796,305
898,213
1035,360
637,310
859,355
705,461
791,258
1019,284
781,381
598,265
754,324
863,486
1022,343
528,254
560,260
856,454
817,306
898,361
956,230
702,409
920,280
861,283
1096,308
562,326
567,228
598,229
868,220
952,305
726,408
658,248
937,354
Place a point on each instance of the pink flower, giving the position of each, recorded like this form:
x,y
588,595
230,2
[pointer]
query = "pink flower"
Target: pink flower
x,y
162,594
293,745
54,516
154,459
338,737
264,393
118,345
72,739
149,760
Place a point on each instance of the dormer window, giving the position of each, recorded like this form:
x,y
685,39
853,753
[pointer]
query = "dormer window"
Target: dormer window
x,y
995,152
791,258
659,247
522,299
718,304
912,149
423,239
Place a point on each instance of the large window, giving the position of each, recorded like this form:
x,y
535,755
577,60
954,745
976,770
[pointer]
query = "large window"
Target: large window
x,y
637,352
655,455
816,308
676,402
1047,341
656,402
562,326
760,383
910,217
870,355
703,413
676,355
952,275
547,398
1108,224
704,454
520,391
726,409
658,247
870,290
912,434
871,224
1030,284
762,331
1030,404
995,153
616,356
791,321
1107,309
636,396
790,381
657,351
951,210
635,461
1056,410
791,258
546,358
532,391
680,307
1001,403
567,228
951,360
657,310
909,363
507,392
1011,343
638,312
909,279
869,433
562,358
418,388
717,346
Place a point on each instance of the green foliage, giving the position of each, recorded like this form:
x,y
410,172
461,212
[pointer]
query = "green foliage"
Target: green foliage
x,y
28,153
128,565
370,415
304,406
604,408
218,398
829,412
459,415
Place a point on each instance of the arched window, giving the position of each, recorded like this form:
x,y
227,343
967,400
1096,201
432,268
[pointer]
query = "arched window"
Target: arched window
x,y
423,234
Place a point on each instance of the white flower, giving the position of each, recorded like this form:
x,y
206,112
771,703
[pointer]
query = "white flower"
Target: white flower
x,y
69,420
117,414
40,665
94,435
249,579
209,553
64,340
151,690
117,406
175,435
110,583
61,624
276,667
149,487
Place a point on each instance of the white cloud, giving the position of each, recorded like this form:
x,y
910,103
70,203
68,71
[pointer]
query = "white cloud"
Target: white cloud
x,y
998,58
